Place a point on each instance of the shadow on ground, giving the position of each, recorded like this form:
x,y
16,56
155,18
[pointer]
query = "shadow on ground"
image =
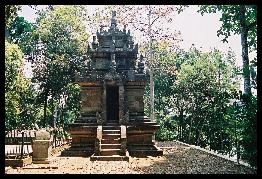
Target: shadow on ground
x,y
185,160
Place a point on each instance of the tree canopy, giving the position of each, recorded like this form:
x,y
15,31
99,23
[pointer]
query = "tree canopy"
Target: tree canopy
x,y
238,19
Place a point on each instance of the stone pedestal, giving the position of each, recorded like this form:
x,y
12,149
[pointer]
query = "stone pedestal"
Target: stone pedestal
x,y
140,141
41,151
84,138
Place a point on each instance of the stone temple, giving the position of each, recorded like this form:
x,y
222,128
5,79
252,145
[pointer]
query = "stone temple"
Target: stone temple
x,y
112,125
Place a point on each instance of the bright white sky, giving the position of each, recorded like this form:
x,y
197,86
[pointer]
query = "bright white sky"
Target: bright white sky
x,y
195,29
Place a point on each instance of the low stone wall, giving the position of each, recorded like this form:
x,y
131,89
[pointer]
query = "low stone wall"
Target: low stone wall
x,y
18,162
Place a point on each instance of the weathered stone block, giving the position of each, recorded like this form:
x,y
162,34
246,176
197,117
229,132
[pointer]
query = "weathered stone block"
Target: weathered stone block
x,y
41,150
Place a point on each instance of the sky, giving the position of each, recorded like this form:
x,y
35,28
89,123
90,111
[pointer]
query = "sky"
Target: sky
x,y
195,29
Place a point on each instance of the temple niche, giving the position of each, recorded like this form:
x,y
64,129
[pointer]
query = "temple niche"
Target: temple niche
x,y
112,125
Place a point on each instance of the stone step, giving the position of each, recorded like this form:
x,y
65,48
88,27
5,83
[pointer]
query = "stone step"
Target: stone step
x,y
85,120
111,131
139,120
141,145
80,149
109,158
82,125
110,146
111,128
109,152
76,153
112,124
143,123
110,141
82,145
111,136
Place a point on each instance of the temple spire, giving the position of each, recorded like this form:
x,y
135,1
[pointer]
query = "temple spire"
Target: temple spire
x,y
113,20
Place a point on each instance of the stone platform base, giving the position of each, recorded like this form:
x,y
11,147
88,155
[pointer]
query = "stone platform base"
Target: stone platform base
x,y
83,140
144,150
71,152
140,141
43,161
109,158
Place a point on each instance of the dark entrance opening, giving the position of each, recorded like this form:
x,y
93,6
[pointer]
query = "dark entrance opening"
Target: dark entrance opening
x,y
112,104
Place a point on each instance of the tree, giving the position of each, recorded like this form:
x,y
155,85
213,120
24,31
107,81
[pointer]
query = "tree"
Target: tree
x,y
20,32
242,19
164,62
195,88
249,133
238,19
14,84
60,43
11,13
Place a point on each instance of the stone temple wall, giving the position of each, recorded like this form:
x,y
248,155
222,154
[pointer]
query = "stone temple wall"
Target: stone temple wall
x,y
135,99
91,100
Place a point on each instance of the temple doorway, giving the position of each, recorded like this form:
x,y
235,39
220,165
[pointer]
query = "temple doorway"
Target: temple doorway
x,y
112,104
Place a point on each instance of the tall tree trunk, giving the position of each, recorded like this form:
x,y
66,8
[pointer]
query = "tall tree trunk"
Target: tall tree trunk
x,y
199,135
62,116
190,128
209,137
45,106
244,44
181,125
52,109
236,142
151,73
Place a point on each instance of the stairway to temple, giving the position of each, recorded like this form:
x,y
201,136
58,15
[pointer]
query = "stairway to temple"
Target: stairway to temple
x,y
110,147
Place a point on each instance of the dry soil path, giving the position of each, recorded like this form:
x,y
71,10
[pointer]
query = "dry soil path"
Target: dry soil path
x,y
178,159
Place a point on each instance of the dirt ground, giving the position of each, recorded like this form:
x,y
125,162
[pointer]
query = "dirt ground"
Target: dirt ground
x,y
177,159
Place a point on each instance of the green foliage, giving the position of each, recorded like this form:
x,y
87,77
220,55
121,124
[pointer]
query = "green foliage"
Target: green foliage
x,y
238,19
55,46
194,91
11,13
61,42
13,66
198,90
63,39
70,109
204,86
16,88
13,62
242,19
249,133
20,32
166,131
